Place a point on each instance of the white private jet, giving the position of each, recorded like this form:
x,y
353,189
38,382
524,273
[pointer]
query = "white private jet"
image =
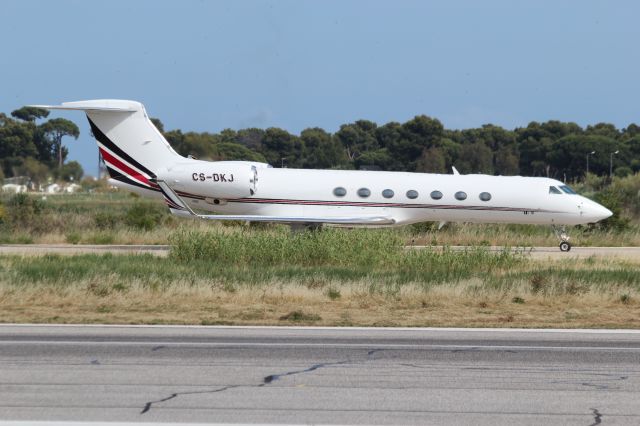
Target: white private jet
x,y
139,159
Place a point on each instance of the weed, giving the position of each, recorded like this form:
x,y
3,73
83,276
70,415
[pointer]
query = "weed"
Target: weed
x,y
538,283
334,293
103,237
73,237
106,220
144,216
104,309
517,299
300,316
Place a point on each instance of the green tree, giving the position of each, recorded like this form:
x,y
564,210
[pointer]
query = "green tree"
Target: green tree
x,y
603,129
234,151
35,170
358,138
322,150
251,138
568,155
475,158
418,134
279,148
30,114
159,125
432,160
378,159
71,171
55,130
16,143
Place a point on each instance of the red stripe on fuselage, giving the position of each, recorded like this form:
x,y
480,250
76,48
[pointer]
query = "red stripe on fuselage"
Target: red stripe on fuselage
x,y
123,167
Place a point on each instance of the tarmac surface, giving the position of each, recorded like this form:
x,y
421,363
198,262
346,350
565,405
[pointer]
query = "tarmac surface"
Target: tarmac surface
x,y
541,253
319,375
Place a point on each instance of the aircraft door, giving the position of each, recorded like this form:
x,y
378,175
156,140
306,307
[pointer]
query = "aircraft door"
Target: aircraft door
x,y
253,187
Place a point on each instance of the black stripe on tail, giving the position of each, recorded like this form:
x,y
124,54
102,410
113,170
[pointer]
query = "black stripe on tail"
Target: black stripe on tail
x,y
104,140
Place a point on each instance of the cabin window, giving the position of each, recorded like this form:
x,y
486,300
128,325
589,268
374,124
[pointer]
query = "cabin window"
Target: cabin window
x,y
339,192
461,195
436,195
387,193
363,192
567,189
412,194
485,196
554,190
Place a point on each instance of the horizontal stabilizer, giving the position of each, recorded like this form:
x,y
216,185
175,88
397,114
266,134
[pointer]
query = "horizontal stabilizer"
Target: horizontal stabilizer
x,y
96,105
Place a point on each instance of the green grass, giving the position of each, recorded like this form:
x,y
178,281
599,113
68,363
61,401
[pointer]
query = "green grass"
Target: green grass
x,y
333,277
228,257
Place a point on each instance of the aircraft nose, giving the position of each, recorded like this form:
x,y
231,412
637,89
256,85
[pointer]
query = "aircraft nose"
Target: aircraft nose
x,y
596,212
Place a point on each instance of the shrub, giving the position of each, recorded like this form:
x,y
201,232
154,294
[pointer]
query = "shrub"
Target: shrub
x,y
613,200
73,237
101,238
145,216
106,220
334,294
22,211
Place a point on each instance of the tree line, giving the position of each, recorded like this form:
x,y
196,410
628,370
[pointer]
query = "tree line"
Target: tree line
x,y
555,149
35,150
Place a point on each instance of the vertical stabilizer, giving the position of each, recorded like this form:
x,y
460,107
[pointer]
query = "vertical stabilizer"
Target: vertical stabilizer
x,y
133,149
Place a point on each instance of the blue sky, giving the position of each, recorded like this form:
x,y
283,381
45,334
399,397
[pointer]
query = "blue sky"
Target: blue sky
x,y
210,65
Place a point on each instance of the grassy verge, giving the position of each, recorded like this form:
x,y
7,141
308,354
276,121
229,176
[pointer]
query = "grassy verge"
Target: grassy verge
x,y
119,218
226,276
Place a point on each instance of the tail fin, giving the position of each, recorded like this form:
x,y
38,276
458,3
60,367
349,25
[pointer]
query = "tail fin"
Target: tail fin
x,y
131,146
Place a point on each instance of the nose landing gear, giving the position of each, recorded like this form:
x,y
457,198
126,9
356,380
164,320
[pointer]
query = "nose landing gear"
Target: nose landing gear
x,y
561,233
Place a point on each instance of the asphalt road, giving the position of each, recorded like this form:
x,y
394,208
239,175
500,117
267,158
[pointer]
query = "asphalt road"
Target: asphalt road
x,y
541,253
318,375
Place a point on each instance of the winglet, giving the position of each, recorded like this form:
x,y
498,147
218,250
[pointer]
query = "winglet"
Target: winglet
x,y
455,171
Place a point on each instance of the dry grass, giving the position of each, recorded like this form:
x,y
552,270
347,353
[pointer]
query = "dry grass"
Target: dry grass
x,y
518,302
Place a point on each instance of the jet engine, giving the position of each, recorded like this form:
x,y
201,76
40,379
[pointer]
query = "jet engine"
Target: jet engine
x,y
214,179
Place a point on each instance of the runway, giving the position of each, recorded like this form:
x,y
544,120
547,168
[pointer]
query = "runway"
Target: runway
x,y
319,375
540,253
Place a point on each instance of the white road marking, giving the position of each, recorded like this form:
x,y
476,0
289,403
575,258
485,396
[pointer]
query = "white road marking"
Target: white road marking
x,y
309,344
294,327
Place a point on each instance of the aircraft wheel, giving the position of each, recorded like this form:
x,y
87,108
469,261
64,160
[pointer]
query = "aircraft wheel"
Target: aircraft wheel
x,y
565,246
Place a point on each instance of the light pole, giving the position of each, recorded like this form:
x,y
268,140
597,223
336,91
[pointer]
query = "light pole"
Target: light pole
x,y
588,154
611,163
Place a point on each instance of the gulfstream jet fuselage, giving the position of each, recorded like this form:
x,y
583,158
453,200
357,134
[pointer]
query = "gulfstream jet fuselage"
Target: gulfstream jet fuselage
x,y
138,158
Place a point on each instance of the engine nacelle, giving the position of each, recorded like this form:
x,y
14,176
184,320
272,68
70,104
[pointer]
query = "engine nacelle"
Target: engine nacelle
x,y
215,179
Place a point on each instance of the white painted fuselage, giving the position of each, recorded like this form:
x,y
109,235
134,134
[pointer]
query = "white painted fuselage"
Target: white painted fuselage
x,y
312,193
139,158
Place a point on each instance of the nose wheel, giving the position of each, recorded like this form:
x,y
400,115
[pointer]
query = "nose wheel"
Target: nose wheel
x,y
565,246
561,233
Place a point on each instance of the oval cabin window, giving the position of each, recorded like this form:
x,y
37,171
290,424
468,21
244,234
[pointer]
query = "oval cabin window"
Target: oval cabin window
x,y
339,192
461,195
363,192
485,196
412,194
436,195
387,193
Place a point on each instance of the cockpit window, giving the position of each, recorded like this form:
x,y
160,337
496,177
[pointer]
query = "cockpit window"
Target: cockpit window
x,y
554,190
567,189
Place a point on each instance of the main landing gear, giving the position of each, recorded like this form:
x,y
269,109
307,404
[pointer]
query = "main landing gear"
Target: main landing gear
x,y
561,233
